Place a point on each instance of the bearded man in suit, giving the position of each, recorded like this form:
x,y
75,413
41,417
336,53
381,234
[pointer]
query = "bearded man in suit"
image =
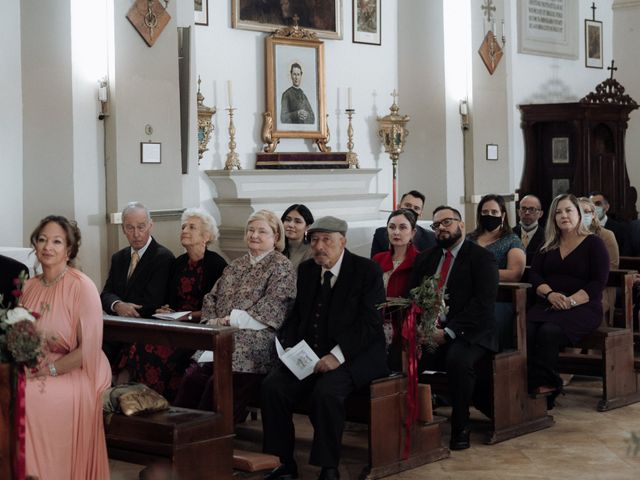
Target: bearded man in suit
x,y
468,330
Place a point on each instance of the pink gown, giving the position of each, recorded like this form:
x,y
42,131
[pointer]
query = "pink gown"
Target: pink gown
x,y
65,434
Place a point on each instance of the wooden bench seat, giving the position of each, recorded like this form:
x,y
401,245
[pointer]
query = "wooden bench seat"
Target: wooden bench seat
x,y
614,361
195,444
504,398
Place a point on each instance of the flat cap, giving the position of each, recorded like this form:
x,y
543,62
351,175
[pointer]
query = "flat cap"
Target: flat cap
x,y
328,224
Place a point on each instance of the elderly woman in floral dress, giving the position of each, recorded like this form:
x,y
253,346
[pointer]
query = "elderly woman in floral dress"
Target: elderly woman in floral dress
x,y
254,294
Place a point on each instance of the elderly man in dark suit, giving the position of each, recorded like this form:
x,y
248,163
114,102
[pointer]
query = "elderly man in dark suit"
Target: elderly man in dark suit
x,y
10,269
530,231
335,312
470,274
139,273
423,239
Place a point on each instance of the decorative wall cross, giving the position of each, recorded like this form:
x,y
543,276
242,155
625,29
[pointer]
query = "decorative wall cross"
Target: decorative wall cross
x,y
488,8
593,7
612,68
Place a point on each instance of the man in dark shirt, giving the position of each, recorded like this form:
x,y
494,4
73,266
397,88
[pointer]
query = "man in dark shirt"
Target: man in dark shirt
x,y
295,107
423,239
619,229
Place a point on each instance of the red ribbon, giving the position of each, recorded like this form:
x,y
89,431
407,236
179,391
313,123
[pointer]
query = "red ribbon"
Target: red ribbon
x,y
19,425
409,334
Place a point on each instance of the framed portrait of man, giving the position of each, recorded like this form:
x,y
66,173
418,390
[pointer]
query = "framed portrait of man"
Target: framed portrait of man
x,y
323,17
295,87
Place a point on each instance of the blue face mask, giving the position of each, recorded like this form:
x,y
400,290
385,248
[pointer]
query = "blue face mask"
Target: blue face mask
x,y
587,218
600,212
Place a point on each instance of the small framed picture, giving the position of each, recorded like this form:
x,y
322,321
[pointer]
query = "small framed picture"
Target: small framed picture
x,y
560,150
201,10
150,152
560,186
492,151
593,44
367,22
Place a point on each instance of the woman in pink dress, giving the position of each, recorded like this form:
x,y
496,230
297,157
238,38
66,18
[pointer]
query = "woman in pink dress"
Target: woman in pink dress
x,y
64,430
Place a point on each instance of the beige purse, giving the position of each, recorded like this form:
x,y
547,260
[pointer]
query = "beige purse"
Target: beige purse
x,y
132,399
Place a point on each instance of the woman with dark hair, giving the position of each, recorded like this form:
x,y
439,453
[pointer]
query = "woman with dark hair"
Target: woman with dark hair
x,y
568,275
296,220
397,266
64,426
493,232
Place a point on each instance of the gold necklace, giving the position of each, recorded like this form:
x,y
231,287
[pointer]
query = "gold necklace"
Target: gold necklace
x,y
55,280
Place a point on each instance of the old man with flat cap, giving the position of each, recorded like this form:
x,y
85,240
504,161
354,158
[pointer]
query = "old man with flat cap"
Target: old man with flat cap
x,y
335,312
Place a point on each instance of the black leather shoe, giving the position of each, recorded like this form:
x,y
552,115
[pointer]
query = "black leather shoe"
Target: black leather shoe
x,y
329,473
286,471
460,440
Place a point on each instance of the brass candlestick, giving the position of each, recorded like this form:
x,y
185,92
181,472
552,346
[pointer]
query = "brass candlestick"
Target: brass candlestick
x,y
205,124
233,161
352,157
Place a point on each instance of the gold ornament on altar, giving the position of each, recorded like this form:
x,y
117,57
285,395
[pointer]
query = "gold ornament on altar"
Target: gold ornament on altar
x,y
205,124
393,134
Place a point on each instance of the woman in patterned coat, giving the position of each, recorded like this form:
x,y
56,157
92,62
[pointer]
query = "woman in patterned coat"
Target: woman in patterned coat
x,y
254,293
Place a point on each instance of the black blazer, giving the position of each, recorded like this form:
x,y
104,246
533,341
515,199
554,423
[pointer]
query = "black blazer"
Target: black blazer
x,y
9,270
212,264
621,232
423,240
148,283
472,288
354,321
535,243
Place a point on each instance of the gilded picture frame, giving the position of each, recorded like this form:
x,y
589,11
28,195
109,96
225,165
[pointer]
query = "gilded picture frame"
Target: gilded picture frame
x,y
323,17
295,91
593,44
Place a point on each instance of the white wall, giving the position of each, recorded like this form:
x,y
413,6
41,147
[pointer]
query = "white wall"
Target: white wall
x,y
626,39
540,79
11,202
223,53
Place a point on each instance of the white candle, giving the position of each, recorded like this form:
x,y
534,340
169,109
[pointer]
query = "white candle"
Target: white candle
x,y
229,96
502,28
349,104
493,27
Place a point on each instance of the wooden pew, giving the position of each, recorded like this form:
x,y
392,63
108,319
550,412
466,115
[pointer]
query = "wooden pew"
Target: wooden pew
x,y
615,362
198,445
505,400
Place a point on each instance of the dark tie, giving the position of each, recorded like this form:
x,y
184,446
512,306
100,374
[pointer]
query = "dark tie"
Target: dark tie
x,y
326,284
444,270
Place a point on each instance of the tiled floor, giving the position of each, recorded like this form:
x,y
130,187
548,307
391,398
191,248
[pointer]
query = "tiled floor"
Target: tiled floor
x,y
583,444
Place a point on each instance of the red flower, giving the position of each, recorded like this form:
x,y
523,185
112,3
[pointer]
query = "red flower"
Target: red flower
x,y
17,282
163,352
152,374
148,348
16,293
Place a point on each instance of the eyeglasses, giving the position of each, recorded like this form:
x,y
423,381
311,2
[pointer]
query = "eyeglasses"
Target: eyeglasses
x,y
447,222
529,209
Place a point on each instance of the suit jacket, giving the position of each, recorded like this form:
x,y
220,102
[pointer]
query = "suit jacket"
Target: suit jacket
x,y
9,270
148,283
472,287
423,240
535,243
354,321
621,231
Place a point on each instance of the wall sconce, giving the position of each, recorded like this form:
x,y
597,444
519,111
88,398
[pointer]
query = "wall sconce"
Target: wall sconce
x,y
205,126
103,98
393,134
464,114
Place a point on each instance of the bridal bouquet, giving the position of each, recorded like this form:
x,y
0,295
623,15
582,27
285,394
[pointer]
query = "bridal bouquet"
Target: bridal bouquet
x,y
425,305
20,341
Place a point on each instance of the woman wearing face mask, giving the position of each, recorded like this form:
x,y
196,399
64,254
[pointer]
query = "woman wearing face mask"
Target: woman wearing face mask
x,y
590,220
397,265
494,233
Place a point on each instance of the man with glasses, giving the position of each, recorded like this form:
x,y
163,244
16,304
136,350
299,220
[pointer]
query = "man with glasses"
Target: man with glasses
x,y
423,239
529,229
139,273
469,274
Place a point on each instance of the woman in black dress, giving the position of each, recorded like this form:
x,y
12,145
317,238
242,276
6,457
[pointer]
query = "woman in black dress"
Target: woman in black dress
x,y
192,276
568,275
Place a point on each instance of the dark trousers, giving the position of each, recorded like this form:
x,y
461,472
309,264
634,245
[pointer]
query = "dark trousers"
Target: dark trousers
x,y
281,391
544,341
458,358
196,390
